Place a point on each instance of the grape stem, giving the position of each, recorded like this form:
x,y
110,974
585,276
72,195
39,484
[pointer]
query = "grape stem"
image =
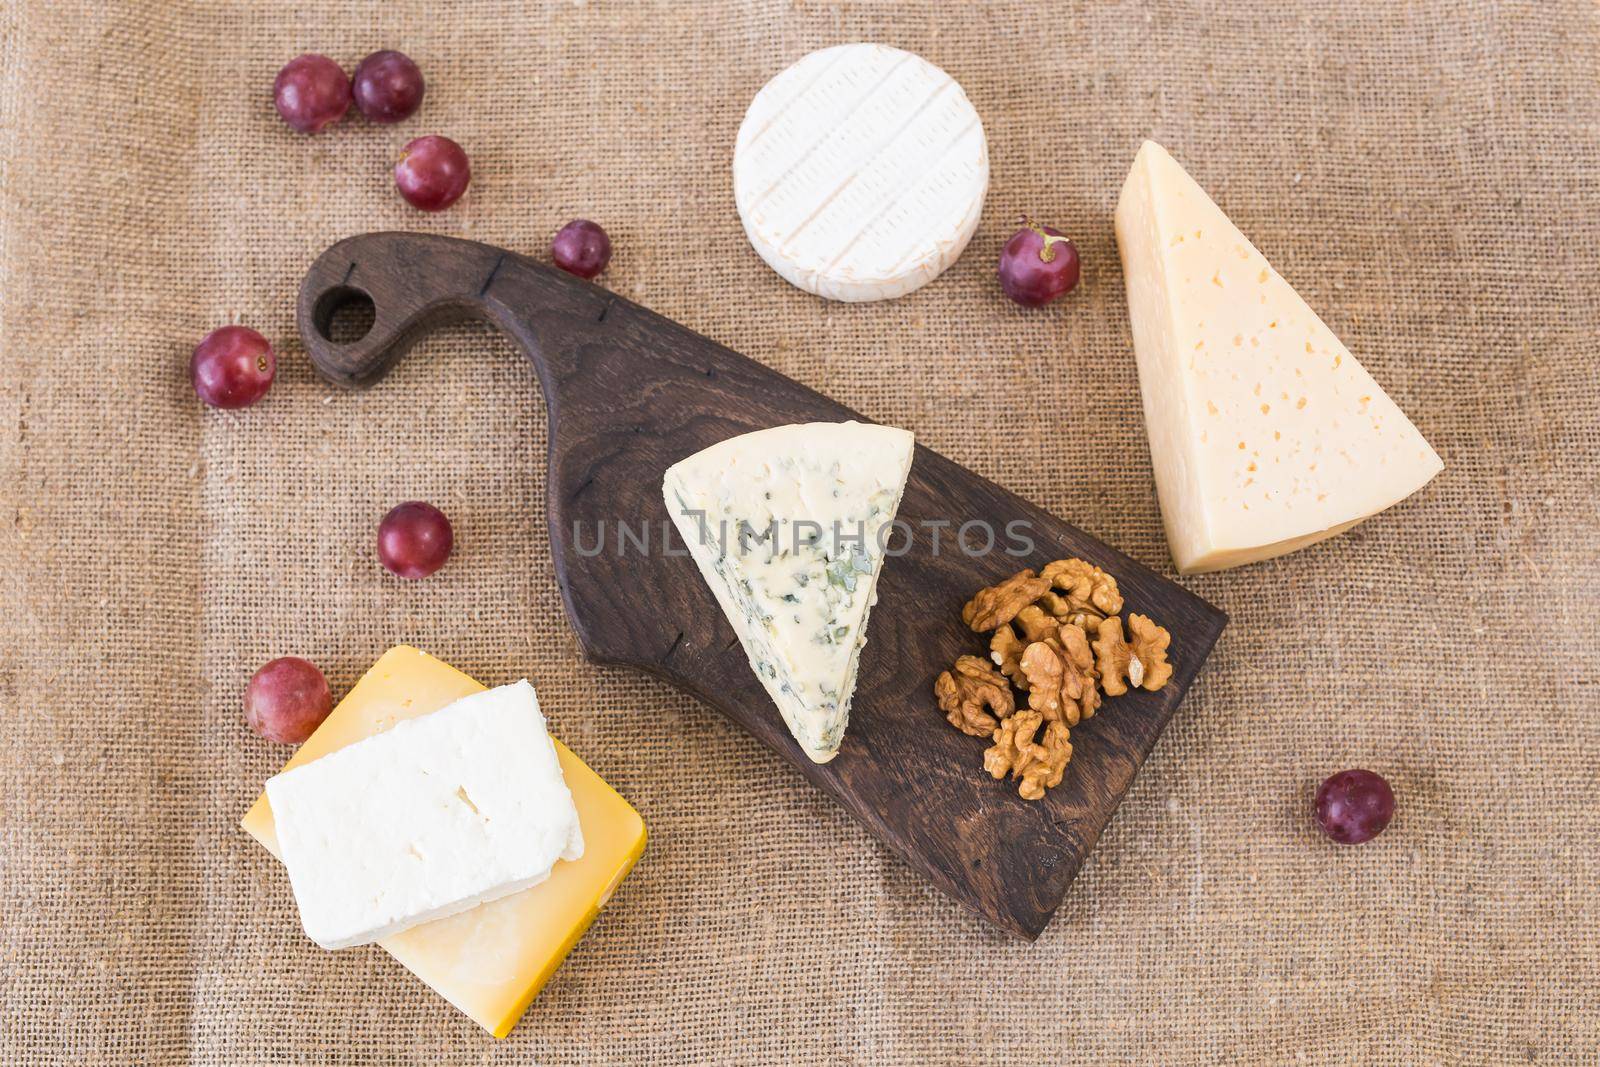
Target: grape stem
x,y
1047,251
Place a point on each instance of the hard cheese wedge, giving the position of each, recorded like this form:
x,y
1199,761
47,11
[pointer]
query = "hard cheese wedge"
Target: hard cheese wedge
x,y
786,526
1265,432
490,961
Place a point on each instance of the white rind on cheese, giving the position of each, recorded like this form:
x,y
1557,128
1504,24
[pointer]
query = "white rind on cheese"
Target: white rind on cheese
x,y
1266,434
437,815
800,610
860,172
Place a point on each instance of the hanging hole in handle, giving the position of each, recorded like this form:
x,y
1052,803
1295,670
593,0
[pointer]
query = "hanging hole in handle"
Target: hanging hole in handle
x,y
344,314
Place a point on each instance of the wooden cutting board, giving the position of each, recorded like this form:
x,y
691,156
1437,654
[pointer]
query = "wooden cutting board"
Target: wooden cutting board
x,y
629,393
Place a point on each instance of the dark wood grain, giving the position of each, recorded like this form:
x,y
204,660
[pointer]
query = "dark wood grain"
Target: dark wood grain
x,y
629,393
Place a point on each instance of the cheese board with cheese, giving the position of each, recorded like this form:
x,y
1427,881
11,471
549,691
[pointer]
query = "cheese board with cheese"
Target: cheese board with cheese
x,y
631,394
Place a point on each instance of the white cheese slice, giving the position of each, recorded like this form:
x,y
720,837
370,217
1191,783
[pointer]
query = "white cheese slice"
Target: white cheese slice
x,y
860,172
789,527
438,814
1266,434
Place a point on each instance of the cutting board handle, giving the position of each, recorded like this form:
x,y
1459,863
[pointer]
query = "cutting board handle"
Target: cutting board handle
x,y
627,392
415,282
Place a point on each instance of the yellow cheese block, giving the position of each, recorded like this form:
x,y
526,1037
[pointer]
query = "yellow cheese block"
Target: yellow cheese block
x,y
490,961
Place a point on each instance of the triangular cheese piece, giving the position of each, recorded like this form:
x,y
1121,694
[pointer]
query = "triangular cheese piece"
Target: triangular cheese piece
x,y
788,526
1265,432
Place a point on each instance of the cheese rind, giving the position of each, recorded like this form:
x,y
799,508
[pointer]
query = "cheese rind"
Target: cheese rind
x,y
860,172
1266,434
788,526
436,816
489,962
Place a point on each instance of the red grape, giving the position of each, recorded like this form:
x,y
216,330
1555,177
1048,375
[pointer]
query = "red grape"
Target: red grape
x,y
232,367
387,86
414,539
1354,806
581,247
311,92
1038,264
287,700
432,173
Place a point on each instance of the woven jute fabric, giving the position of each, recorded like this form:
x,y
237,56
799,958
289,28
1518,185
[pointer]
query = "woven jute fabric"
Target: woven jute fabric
x,y
1426,173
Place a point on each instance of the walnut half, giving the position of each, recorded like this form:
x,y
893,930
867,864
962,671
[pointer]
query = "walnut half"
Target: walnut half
x,y
1049,764
1140,660
1086,587
966,690
1040,764
1006,648
1060,685
999,604
1086,619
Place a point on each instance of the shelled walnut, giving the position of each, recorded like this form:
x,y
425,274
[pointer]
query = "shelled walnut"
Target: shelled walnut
x,y
1060,683
1040,764
1058,606
1057,636
999,758
1086,595
999,604
1140,660
973,696
1006,647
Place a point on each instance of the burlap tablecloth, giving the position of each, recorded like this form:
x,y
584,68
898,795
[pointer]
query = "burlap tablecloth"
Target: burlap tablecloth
x,y
1428,174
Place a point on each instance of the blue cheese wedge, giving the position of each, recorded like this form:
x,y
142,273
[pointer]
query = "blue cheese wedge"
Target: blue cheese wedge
x,y
789,527
438,814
